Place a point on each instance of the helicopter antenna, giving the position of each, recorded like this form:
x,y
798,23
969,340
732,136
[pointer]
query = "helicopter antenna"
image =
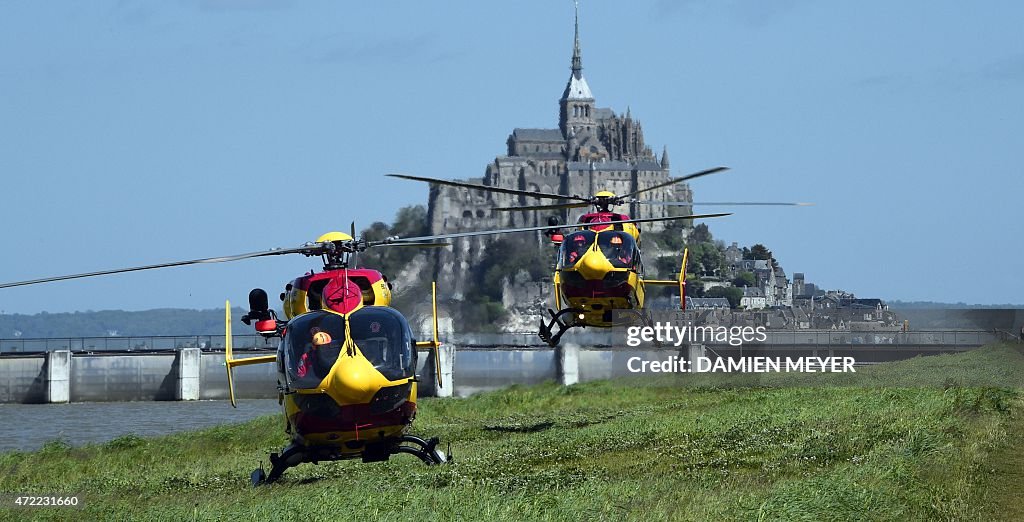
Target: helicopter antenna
x,y
353,259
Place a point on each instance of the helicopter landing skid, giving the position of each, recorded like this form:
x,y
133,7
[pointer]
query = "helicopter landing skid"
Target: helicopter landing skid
x,y
545,332
426,450
295,454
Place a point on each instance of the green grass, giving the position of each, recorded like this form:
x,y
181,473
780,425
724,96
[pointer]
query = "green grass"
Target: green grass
x,y
934,438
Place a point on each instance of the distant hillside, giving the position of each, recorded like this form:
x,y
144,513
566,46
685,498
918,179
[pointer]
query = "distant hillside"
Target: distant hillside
x,y
163,321
929,305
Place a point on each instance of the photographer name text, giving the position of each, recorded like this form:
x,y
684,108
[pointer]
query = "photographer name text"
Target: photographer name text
x,y
676,364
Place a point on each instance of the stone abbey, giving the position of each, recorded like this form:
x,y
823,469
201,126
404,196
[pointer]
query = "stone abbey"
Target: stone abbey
x,y
591,150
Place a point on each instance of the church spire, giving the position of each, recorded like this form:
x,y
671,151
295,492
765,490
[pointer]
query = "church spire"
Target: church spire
x,y
577,103
577,61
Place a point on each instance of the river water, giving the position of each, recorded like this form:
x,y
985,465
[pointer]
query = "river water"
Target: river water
x,y
27,427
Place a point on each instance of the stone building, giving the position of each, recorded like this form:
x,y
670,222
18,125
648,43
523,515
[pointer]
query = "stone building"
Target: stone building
x,y
753,299
798,285
591,150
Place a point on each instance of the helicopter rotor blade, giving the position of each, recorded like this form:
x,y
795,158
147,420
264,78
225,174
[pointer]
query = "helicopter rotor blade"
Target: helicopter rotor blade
x,y
488,188
307,249
436,244
545,207
396,240
722,203
676,180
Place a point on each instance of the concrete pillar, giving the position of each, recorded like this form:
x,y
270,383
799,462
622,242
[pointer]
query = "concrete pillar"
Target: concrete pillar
x,y
430,388
58,376
188,374
568,356
695,351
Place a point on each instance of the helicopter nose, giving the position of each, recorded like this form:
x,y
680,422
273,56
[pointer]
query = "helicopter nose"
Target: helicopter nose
x,y
359,384
593,266
353,380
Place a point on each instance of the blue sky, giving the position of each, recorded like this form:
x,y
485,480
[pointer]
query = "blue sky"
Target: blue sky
x,y
142,132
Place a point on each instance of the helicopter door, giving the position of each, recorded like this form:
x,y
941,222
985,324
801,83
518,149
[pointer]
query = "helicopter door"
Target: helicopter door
x,y
311,347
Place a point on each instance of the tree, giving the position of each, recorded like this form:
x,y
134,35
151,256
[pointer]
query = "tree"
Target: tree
x,y
694,286
732,293
670,239
410,221
712,258
744,279
760,251
503,258
701,234
667,267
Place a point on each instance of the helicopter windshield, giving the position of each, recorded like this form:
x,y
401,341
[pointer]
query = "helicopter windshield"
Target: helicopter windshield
x,y
574,245
312,345
618,247
384,337
315,340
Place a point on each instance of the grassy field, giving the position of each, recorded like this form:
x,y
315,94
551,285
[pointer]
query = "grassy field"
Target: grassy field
x,y
933,438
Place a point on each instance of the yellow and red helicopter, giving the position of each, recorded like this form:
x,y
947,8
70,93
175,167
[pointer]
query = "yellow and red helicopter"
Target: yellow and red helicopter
x,y
346,360
599,269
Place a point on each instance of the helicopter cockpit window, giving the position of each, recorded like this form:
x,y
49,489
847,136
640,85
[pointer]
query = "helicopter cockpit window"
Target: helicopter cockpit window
x,y
574,245
314,342
312,346
618,247
384,338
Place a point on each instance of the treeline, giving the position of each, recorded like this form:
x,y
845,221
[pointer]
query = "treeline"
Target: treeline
x,y
105,323
932,305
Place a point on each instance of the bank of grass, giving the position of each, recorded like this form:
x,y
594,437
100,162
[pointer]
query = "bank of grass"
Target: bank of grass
x,y
921,445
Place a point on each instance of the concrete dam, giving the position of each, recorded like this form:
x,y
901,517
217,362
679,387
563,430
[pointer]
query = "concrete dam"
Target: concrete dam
x,y
192,368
